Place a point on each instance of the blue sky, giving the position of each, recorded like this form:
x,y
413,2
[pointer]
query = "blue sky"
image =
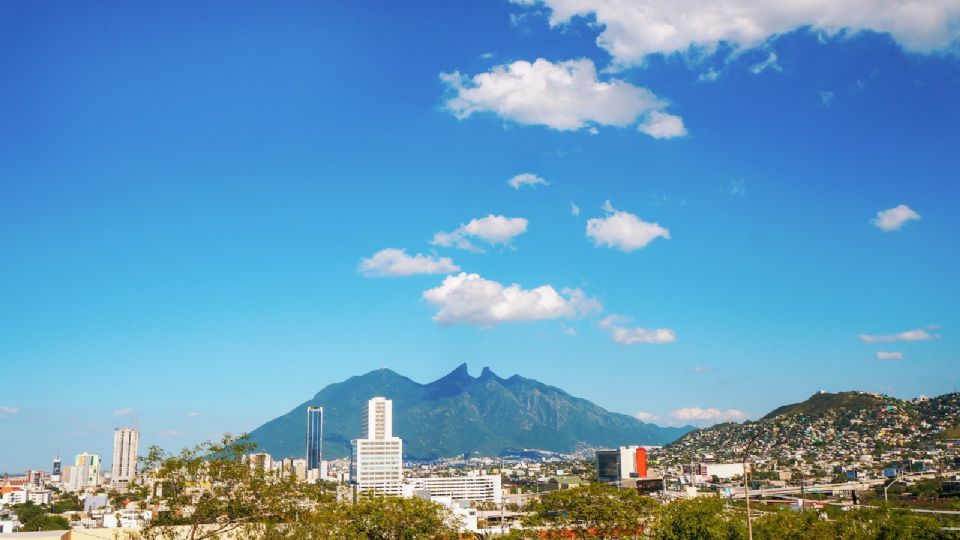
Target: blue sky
x,y
188,193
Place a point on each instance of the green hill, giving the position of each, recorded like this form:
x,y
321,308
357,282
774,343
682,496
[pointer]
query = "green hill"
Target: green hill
x,y
821,402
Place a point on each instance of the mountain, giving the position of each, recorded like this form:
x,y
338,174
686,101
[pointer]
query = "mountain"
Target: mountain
x,y
829,428
459,413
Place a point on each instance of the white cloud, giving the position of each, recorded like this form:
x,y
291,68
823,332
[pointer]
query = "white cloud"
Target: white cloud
x,y
737,188
574,209
893,219
395,262
7,410
909,335
526,179
170,434
122,412
826,97
491,229
633,30
661,125
623,230
769,63
885,355
631,336
646,417
193,414
700,370
709,75
471,299
711,415
563,95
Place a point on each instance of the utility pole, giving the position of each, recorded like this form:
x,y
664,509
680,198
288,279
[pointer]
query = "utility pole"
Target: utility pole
x,y
746,483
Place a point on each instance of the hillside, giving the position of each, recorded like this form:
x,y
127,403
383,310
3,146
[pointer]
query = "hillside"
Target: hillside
x,y
459,413
823,402
840,428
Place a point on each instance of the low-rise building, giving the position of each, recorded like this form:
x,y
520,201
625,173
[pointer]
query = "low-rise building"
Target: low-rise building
x,y
459,488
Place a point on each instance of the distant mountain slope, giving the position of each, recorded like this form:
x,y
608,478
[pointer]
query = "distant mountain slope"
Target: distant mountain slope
x,y
459,413
836,427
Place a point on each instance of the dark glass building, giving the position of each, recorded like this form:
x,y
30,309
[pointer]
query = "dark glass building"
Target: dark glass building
x,y
608,465
314,437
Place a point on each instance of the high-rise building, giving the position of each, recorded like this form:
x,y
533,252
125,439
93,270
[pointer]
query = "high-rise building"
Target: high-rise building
x,y
126,443
314,437
55,473
377,460
85,472
35,478
377,421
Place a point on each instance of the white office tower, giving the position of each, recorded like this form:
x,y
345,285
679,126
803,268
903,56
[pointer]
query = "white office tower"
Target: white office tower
x,y
85,472
126,443
377,422
377,460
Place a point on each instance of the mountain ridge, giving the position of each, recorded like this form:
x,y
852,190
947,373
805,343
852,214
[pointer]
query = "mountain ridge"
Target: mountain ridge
x,y
458,414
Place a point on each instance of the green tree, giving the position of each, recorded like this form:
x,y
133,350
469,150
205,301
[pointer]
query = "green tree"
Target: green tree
x,y
888,523
594,510
701,518
33,517
792,525
68,502
212,490
394,518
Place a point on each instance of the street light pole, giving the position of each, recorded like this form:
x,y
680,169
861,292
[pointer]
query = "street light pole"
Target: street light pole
x,y
897,478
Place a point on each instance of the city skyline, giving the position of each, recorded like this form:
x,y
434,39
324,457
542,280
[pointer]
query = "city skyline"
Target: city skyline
x,y
240,214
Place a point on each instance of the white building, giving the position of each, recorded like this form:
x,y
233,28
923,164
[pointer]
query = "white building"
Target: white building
x,y
722,471
126,519
126,443
260,461
458,488
7,526
40,496
462,516
377,460
15,496
84,473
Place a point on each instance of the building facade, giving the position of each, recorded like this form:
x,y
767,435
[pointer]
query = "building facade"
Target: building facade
x,y
623,463
458,488
314,437
57,469
722,471
85,472
377,460
126,444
